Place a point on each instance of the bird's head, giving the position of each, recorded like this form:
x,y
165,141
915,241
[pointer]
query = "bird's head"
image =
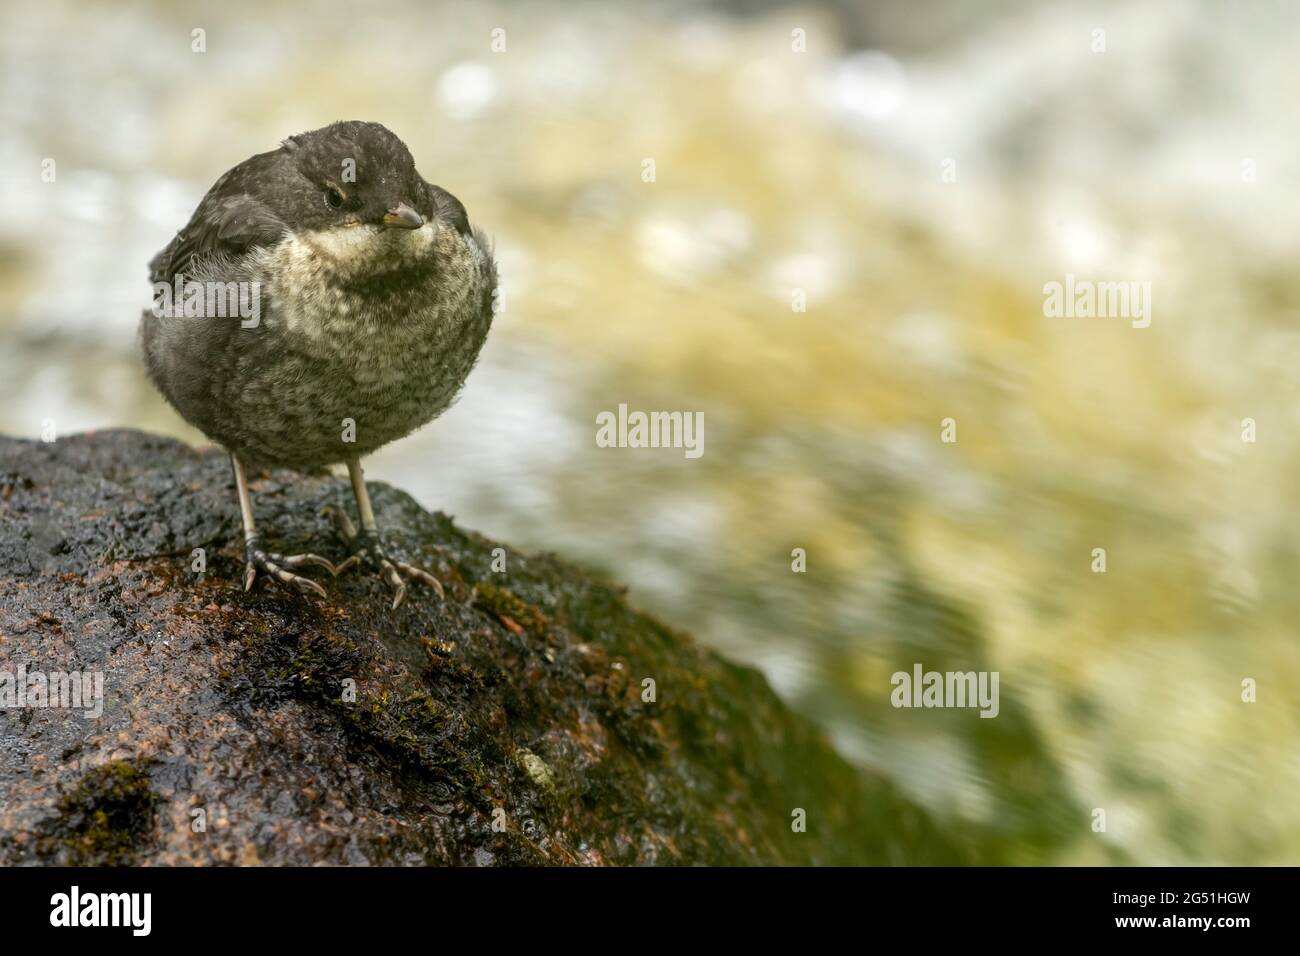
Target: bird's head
x,y
353,190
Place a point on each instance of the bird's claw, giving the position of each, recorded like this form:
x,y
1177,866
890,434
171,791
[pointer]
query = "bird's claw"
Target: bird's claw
x,y
392,571
278,566
369,550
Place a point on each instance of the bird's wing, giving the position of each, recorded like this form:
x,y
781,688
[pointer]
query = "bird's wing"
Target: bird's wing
x,y
448,207
191,362
224,223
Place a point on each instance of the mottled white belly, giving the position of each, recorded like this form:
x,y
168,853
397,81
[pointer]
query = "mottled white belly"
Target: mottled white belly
x,y
348,373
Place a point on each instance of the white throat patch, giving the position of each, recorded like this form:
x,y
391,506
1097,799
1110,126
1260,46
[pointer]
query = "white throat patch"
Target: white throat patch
x,y
360,250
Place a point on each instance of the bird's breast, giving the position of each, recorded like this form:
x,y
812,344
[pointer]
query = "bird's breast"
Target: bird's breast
x,y
383,354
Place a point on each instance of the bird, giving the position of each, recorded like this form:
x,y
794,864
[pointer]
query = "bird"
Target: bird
x,y
365,298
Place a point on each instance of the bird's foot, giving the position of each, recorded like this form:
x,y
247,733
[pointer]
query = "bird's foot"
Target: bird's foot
x,y
277,566
368,550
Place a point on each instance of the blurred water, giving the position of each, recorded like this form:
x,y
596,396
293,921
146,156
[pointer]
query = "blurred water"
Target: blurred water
x,y
1167,158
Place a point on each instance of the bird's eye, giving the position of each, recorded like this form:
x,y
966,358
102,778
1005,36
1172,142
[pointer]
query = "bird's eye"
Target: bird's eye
x,y
333,198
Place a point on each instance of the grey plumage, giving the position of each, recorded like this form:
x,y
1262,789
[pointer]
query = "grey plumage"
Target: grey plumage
x,y
357,321
374,299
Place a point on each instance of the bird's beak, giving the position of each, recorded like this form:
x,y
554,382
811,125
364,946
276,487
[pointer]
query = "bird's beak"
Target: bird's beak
x,y
403,216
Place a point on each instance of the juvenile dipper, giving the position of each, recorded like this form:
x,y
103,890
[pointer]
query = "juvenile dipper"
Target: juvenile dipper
x,y
373,298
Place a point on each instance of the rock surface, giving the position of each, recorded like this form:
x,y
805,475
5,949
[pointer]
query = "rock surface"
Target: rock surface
x,y
505,725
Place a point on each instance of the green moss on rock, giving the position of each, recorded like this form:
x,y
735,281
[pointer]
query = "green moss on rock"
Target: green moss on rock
x,y
107,819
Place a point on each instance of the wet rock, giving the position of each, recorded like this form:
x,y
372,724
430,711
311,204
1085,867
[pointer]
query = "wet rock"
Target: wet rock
x,y
512,723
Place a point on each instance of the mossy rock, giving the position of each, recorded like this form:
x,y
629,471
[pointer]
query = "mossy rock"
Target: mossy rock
x,y
530,717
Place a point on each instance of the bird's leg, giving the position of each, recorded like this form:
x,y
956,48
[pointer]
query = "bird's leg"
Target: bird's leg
x,y
275,565
368,548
